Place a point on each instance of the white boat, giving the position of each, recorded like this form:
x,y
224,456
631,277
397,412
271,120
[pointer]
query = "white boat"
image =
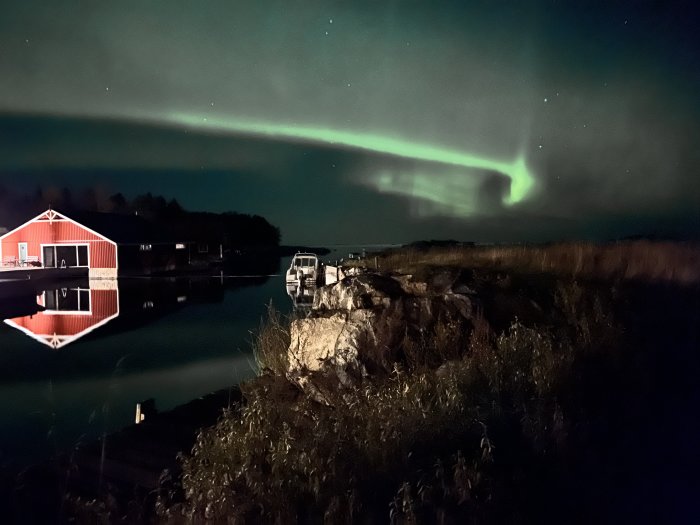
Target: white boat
x,y
305,269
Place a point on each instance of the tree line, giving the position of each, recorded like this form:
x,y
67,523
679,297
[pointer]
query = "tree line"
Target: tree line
x,y
229,228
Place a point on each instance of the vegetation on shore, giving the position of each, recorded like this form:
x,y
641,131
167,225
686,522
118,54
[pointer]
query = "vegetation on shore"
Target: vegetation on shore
x,y
638,259
552,418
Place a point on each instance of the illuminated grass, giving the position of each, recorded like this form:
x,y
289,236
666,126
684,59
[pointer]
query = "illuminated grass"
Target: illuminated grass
x,y
642,260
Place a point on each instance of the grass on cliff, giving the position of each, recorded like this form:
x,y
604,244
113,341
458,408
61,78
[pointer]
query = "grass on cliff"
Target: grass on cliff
x,y
271,341
373,451
474,440
647,260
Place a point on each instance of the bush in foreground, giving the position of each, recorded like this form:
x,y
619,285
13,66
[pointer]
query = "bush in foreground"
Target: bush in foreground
x,y
418,445
563,416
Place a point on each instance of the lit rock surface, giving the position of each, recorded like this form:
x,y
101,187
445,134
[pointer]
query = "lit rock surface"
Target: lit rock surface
x,y
361,291
358,325
317,342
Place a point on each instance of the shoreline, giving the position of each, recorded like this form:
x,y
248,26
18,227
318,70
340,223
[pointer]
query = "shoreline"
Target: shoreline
x,y
514,389
442,330
126,464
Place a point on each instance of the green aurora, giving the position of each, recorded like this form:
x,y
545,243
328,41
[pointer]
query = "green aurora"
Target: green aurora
x,y
365,121
522,181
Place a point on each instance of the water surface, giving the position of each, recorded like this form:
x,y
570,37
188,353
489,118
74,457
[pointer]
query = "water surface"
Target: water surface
x,y
77,369
76,358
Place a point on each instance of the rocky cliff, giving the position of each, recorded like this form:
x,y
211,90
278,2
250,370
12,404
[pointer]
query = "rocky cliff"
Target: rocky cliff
x,y
370,323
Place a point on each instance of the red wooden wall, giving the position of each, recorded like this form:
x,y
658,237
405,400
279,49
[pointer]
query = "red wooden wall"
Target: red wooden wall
x,y
102,253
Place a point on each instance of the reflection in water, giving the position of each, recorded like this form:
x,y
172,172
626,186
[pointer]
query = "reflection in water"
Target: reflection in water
x,y
302,296
71,312
75,359
59,316
18,306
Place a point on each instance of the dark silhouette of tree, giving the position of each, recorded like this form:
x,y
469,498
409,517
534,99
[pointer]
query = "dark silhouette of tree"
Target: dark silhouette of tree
x,y
118,203
89,200
173,208
230,229
67,200
38,202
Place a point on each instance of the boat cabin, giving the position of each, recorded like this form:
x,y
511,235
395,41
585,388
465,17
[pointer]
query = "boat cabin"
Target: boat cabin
x,y
305,268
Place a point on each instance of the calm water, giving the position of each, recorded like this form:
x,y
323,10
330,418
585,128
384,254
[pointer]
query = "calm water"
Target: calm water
x,y
77,369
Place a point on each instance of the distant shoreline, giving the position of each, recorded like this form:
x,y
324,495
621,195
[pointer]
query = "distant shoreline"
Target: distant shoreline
x,y
283,250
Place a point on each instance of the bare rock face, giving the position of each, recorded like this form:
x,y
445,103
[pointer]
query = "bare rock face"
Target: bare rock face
x,y
335,340
436,282
357,292
339,344
411,286
357,326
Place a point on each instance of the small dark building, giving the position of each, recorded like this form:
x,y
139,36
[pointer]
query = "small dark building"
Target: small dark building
x,y
144,247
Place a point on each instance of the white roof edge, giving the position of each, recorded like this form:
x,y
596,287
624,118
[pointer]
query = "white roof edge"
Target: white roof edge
x,y
88,229
23,225
63,217
68,338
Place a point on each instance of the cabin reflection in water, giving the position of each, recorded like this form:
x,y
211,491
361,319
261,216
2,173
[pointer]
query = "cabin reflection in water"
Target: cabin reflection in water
x,y
72,310
70,313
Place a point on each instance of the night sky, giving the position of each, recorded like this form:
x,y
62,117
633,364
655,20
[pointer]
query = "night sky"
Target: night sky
x,y
365,121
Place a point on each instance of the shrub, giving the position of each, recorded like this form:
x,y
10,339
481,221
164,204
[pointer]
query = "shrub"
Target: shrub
x,y
645,260
473,425
271,342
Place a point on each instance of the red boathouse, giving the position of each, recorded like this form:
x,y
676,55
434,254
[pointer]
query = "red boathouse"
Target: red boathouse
x,y
52,240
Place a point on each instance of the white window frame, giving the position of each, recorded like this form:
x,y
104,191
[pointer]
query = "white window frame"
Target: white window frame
x,y
54,245
68,312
